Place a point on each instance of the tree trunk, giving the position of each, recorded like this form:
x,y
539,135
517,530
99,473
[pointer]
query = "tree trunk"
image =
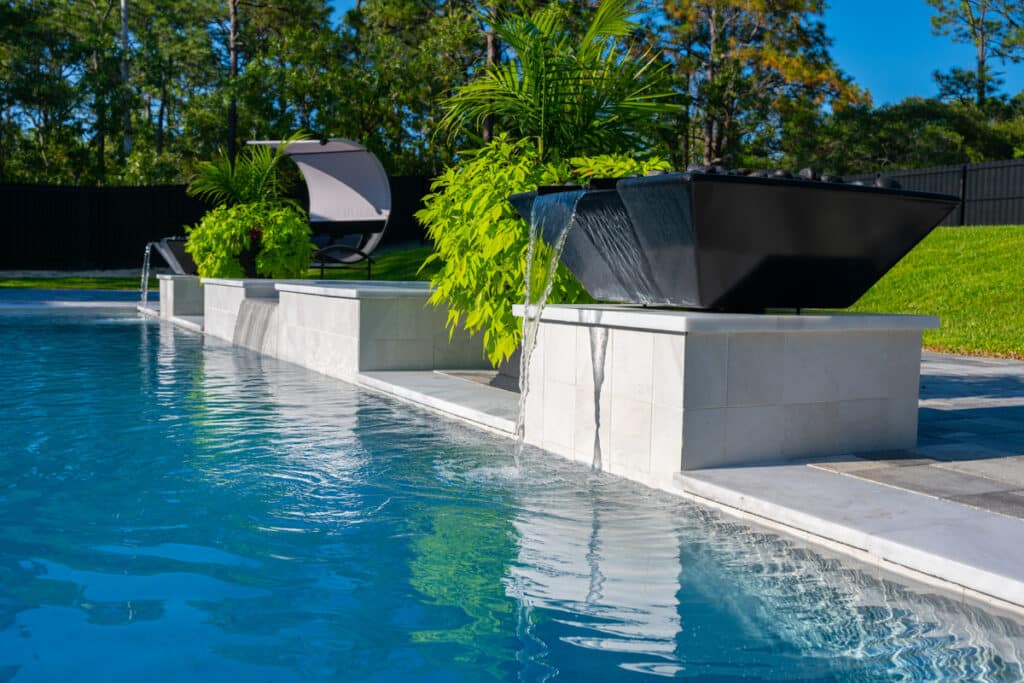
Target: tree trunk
x,y
982,78
101,128
709,122
160,116
492,58
232,75
125,93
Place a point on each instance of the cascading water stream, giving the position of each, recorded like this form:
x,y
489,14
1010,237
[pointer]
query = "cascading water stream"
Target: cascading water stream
x,y
144,285
551,214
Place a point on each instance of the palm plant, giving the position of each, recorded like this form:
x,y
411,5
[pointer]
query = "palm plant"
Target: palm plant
x,y
573,94
252,177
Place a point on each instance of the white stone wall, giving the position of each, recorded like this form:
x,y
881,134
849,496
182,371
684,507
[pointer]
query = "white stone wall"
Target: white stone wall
x,y
220,309
342,329
673,400
180,295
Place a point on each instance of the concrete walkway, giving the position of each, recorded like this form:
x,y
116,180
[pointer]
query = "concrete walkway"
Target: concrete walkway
x,y
970,437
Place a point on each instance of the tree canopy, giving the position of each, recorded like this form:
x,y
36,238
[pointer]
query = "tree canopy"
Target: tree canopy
x,y
742,82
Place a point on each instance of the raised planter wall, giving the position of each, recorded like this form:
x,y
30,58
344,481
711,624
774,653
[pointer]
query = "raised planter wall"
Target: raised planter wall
x,y
180,295
338,329
689,390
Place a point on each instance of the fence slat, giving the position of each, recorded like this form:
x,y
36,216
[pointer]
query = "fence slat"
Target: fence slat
x,y
64,228
993,192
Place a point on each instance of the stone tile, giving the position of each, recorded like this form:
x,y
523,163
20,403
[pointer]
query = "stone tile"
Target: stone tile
x,y
862,425
666,440
896,458
858,366
932,481
668,371
1010,503
703,438
632,368
959,451
385,319
394,354
705,369
584,419
591,341
847,465
810,429
1012,442
630,436
901,423
903,364
755,369
808,358
560,354
753,434
559,403
1007,470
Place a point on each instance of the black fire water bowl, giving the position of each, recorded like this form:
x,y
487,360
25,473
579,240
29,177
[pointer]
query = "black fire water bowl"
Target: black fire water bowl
x,y
738,243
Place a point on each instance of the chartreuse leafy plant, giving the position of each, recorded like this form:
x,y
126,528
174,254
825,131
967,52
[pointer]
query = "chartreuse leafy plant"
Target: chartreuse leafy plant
x,y
229,232
481,242
254,231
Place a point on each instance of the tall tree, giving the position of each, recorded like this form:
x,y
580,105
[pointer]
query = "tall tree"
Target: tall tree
x,y
740,63
994,27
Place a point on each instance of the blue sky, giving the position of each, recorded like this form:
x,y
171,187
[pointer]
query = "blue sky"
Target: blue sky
x,y
887,46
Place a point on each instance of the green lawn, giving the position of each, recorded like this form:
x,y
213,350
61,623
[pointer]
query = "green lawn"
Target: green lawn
x,y
972,278
396,264
129,283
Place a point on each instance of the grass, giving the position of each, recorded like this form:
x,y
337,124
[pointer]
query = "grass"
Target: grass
x,y
394,264
128,283
972,278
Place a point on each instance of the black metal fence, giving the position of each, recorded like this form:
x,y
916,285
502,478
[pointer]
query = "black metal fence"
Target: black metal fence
x,y
70,228
992,192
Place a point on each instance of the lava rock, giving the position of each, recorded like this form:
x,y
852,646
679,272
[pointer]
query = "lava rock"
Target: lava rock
x,y
827,178
886,182
808,173
781,173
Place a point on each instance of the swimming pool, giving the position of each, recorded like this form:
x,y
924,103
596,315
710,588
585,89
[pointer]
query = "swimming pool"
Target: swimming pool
x,y
179,510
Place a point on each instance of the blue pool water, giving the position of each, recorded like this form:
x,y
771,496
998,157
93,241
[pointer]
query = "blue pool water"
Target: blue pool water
x,y
178,511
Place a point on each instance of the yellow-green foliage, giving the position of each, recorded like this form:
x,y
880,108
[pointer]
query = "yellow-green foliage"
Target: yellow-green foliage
x,y
481,242
226,231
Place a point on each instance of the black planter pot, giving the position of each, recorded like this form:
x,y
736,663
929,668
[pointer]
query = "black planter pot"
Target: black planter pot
x,y
735,243
247,259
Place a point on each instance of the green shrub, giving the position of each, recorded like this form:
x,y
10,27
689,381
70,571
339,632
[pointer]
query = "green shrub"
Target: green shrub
x,y
277,232
481,241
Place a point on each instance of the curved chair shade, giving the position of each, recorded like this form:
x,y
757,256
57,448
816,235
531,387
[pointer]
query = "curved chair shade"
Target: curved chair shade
x,y
349,195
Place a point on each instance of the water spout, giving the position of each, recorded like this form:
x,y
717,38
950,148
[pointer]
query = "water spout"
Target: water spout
x,y
551,214
144,285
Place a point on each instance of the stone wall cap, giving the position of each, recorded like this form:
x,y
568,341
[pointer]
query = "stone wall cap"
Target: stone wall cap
x,y
358,289
706,322
248,283
175,276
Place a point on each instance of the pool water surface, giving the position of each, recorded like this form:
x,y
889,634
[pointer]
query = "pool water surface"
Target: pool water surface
x,y
179,510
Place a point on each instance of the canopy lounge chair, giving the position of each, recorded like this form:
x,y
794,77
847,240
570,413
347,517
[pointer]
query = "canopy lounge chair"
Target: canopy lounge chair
x,y
172,250
349,199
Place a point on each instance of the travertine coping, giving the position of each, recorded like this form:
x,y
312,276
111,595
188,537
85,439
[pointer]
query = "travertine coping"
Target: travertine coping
x,y
358,289
681,321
